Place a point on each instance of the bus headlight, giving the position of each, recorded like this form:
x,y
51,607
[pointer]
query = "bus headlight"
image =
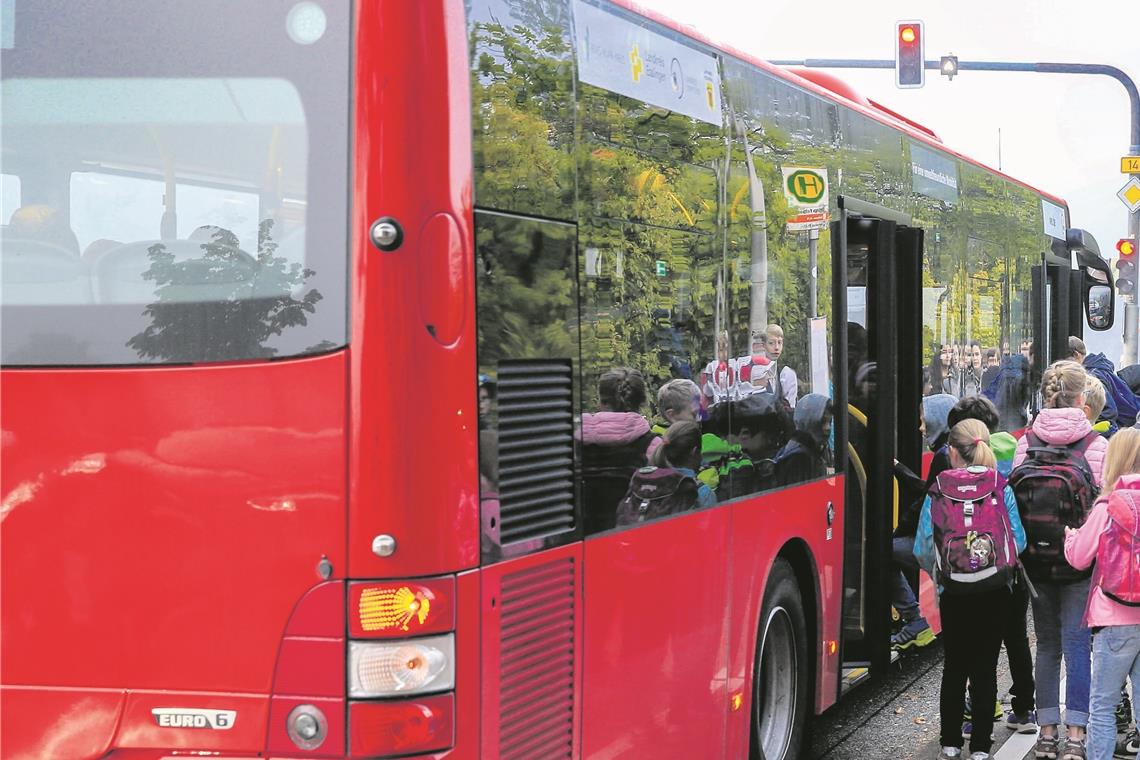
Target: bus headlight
x,y
410,666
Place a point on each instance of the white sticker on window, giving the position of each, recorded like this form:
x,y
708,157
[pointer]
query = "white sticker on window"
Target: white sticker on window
x,y
1054,219
624,57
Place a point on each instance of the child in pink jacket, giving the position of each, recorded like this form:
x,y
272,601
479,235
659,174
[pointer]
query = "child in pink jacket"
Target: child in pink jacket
x,y
1057,607
1116,626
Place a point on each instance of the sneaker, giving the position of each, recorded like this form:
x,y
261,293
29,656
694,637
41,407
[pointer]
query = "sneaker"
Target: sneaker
x,y
907,637
950,753
981,756
1073,749
1123,713
1127,745
1046,748
1022,724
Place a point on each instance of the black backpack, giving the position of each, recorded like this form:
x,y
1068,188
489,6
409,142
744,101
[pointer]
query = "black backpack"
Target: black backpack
x,y
1055,489
656,492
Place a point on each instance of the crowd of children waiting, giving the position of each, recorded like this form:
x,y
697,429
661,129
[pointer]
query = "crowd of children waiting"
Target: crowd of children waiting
x,y
1048,522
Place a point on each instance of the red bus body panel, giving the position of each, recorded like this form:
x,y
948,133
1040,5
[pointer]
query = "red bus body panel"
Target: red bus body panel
x,y
159,526
413,459
673,610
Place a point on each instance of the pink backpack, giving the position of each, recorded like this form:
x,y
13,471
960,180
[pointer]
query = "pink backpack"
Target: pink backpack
x,y
1118,554
973,537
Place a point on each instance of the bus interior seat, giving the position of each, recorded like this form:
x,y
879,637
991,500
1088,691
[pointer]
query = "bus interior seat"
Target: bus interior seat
x,y
40,273
118,273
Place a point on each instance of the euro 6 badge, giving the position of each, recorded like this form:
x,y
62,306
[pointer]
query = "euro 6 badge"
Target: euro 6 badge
x,y
190,717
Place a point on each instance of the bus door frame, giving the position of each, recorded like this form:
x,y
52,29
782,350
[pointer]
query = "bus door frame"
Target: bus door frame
x,y
895,278
1056,319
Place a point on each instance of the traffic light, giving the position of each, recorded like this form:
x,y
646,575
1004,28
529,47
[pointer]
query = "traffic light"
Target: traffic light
x,y
1126,265
910,56
949,66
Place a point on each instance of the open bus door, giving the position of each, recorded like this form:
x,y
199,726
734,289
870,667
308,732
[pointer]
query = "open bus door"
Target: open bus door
x,y
1071,297
877,257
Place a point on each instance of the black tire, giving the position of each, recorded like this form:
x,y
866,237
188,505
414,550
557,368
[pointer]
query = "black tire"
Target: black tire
x,y
781,686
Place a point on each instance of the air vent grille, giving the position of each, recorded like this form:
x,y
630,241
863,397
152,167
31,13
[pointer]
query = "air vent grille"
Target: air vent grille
x,y
536,685
536,449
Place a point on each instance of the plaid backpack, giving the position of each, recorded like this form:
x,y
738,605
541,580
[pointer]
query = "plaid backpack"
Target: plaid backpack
x,y
656,492
1055,489
1117,571
973,539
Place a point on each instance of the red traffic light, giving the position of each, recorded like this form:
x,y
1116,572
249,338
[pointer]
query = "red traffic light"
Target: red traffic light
x,y
910,58
1126,265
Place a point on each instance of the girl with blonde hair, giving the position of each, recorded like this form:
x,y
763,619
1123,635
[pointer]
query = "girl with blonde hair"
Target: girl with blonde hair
x,y
1116,643
973,591
1059,604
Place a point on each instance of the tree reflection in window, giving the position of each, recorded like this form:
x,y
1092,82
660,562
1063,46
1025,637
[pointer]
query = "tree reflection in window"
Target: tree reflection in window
x,y
222,304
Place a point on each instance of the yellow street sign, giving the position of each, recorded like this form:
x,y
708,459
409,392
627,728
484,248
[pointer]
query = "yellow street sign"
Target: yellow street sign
x,y
1130,164
1130,194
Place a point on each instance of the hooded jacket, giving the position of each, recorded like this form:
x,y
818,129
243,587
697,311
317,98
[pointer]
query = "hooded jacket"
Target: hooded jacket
x,y
1117,393
1131,376
1061,427
912,488
1010,391
801,459
935,411
1081,549
617,429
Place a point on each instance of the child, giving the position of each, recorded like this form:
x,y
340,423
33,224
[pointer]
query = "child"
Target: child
x,y
616,441
681,450
916,632
1116,641
1094,407
1022,716
1061,596
967,531
804,457
677,401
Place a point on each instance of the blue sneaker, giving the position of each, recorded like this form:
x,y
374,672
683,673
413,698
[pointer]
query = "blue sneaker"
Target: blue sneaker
x,y
1026,723
916,633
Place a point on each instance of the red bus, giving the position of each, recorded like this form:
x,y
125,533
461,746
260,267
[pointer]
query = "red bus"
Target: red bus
x,y
320,328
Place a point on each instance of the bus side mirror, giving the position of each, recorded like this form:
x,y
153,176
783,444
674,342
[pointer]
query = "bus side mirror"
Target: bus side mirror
x,y
1096,279
1100,305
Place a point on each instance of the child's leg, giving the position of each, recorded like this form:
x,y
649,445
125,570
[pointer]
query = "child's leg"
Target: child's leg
x,y
1047,668
1116,651
956,643
1016,640
1077,646
986,615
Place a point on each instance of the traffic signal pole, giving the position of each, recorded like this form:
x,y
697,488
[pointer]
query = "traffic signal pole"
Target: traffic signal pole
x,y
1131,310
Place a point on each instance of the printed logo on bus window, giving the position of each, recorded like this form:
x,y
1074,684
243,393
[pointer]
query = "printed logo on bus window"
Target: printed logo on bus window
x,y
646,62
189,717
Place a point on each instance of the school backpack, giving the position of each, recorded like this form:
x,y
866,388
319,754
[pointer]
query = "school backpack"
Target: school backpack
x,y
973,538
1055,489
656,492
1118,554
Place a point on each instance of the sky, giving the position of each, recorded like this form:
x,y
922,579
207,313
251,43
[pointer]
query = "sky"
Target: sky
x,y
1063,134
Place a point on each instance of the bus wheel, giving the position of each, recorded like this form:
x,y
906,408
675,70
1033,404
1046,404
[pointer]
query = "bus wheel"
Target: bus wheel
x,y
780,687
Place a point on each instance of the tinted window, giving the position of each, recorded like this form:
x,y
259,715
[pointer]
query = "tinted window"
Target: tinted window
x,y
651,258
783,163
522,96
178,207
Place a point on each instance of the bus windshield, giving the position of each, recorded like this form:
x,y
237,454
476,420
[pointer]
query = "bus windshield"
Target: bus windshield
x,y
176,196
